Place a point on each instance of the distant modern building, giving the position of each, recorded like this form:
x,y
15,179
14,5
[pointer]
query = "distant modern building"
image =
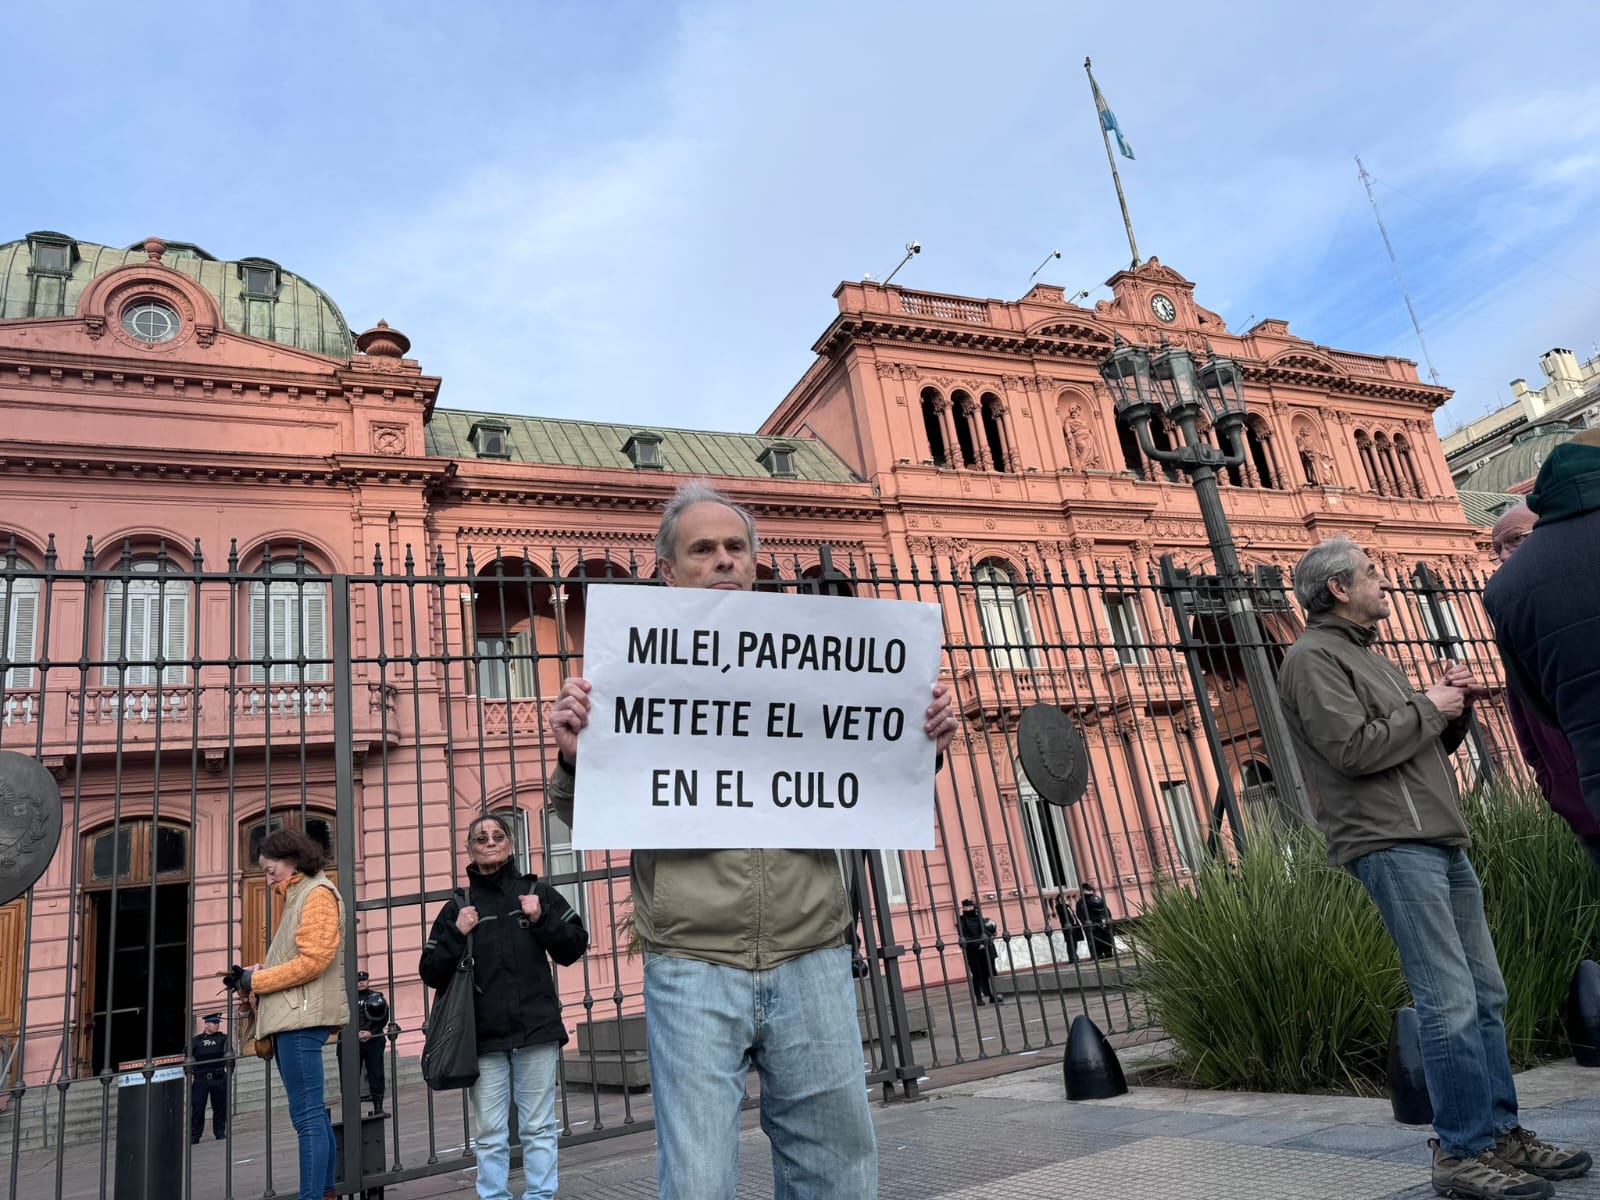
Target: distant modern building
x,y
1523,432
167,414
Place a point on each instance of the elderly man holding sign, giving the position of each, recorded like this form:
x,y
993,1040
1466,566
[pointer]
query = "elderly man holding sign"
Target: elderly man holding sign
x,y
689,700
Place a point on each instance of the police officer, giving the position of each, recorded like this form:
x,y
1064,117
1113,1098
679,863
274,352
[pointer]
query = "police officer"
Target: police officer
x,y
209,1051
372,1012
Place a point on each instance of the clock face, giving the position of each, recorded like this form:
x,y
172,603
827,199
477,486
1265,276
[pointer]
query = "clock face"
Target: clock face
x,y
1164,309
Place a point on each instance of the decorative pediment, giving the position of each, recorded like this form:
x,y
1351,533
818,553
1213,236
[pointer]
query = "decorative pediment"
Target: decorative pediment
x,y
1306,360
1073,329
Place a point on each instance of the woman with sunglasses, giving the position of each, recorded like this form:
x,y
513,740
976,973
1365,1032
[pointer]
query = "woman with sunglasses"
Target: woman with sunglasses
x,y
518,924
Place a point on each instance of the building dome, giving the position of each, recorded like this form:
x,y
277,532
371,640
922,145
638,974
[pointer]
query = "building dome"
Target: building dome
x,y
44,273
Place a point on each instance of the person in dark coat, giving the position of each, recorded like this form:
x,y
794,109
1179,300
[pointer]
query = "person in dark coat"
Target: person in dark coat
x,y
1544,747
977,943
1095,917
209,1050
1071,927
1542,603
518,923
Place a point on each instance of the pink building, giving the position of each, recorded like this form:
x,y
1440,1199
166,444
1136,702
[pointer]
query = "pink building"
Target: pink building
x,y
255,564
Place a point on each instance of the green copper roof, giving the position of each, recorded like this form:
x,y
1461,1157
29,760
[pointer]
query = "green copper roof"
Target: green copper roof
x,y
1520,460
1485,508
593,444
300,315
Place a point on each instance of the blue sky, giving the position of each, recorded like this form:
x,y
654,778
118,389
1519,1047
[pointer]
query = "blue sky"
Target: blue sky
x,y
637,211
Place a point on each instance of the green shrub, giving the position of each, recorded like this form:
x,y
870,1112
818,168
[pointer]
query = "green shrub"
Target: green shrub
x,y
1275,973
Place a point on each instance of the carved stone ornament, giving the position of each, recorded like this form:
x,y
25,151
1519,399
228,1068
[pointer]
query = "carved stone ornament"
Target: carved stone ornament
x,y
388,439
30,822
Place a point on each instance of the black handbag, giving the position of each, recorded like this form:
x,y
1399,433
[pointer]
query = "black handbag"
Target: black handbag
x,y
450,1037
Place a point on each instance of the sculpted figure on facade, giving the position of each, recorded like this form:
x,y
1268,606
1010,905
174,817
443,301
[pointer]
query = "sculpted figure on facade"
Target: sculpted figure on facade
x,y
1080,440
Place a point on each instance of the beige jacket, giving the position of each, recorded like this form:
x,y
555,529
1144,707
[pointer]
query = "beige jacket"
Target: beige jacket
x,y
318,1003
751,909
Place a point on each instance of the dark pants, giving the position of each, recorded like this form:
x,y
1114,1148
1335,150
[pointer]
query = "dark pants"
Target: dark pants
x,y
371,1057
980,968
200,1089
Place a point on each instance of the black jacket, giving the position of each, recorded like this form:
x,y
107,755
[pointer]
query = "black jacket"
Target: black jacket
x,y
1542,603
516,1003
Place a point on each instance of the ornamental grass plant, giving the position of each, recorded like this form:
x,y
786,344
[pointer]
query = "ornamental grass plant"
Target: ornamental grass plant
x,y
1273,972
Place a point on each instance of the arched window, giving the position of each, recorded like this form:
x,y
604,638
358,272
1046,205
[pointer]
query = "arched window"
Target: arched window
x,y
1005,620
1408,464
1257,793
289,626
965,442
147,620
1132,456
933,426
125,853
993,413
1256,437
1369,462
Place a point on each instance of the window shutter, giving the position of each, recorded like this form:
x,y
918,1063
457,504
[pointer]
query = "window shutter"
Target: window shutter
x,y
175,631
20,637
314,612
131,617
280,633
258,632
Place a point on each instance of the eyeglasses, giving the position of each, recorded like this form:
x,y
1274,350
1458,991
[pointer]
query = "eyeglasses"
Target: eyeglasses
x,y
484,839
1512,540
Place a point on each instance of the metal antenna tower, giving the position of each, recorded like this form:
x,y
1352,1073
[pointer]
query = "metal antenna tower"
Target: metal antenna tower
x,y
1366,181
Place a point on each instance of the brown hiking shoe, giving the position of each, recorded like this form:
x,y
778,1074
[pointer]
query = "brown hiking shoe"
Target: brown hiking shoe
x,y
1523,1149
1484,1177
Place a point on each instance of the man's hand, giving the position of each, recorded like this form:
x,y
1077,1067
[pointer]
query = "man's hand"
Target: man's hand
x,y
366,1035
941,723
1459,675
530,906
467,919
1450,701
569,716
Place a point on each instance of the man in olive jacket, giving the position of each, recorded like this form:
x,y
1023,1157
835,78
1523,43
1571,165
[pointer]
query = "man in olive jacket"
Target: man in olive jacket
x,y
745,954
1374,750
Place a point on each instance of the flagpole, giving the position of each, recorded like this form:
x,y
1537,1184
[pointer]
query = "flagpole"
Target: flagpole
x,y
1111,159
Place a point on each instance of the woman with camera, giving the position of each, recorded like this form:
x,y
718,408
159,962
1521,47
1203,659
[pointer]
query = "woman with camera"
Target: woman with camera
x,y
297,995
516,923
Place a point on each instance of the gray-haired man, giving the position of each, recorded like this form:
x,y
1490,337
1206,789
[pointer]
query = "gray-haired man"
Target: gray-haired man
x,y
1374,751
745,955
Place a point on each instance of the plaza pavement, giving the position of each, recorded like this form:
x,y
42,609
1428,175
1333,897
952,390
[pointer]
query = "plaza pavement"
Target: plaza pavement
x,y
1016,1137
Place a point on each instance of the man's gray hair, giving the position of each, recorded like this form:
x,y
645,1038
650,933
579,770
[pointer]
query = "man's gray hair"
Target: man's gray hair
x,y
696,491
1336,558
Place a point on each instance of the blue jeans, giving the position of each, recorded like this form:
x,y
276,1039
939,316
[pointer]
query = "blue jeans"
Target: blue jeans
x,y
528,1077
797,1024
1431,902
299,1055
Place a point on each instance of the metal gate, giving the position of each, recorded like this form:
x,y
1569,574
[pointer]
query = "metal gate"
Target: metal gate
x,y
188,708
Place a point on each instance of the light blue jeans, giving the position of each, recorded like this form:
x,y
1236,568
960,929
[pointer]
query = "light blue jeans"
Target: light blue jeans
x,y
1433,906
299,1055
528,1077
797,1024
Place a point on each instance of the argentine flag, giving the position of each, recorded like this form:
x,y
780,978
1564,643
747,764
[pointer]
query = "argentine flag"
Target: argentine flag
x,y
1108,122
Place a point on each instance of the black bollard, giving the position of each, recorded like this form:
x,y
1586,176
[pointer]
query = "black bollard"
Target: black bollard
x,y
1408,1085
1091,1066
1583,1013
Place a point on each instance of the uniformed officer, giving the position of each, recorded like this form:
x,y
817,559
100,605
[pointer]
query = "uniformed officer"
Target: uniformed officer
x,y
209,1050
372,1013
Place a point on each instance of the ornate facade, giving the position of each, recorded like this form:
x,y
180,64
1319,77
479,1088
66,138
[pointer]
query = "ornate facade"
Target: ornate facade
x,y
167,412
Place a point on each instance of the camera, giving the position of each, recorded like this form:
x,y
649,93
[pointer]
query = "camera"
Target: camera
x,y
233,977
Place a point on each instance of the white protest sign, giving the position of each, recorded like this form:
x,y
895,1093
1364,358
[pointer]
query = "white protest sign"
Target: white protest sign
x,y
724,719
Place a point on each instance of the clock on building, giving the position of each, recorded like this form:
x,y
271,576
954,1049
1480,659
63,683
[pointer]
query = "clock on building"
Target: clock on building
x,y
1164,309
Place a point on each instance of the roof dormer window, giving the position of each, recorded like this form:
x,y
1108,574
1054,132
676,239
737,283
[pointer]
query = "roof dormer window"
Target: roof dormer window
x,y
260,278
52,253
778,459
644,451
491,439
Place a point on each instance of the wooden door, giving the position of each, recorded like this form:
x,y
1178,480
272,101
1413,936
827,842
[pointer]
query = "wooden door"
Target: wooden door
x,y
13,934
253,935
88,956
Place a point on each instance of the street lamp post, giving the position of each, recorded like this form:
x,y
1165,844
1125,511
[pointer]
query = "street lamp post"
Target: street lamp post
x,y
1139,381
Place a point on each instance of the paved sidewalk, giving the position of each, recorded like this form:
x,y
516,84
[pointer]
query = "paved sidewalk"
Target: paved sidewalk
x,y
1017,1136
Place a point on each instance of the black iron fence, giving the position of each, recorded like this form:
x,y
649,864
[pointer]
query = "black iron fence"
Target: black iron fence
x,y
188,708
